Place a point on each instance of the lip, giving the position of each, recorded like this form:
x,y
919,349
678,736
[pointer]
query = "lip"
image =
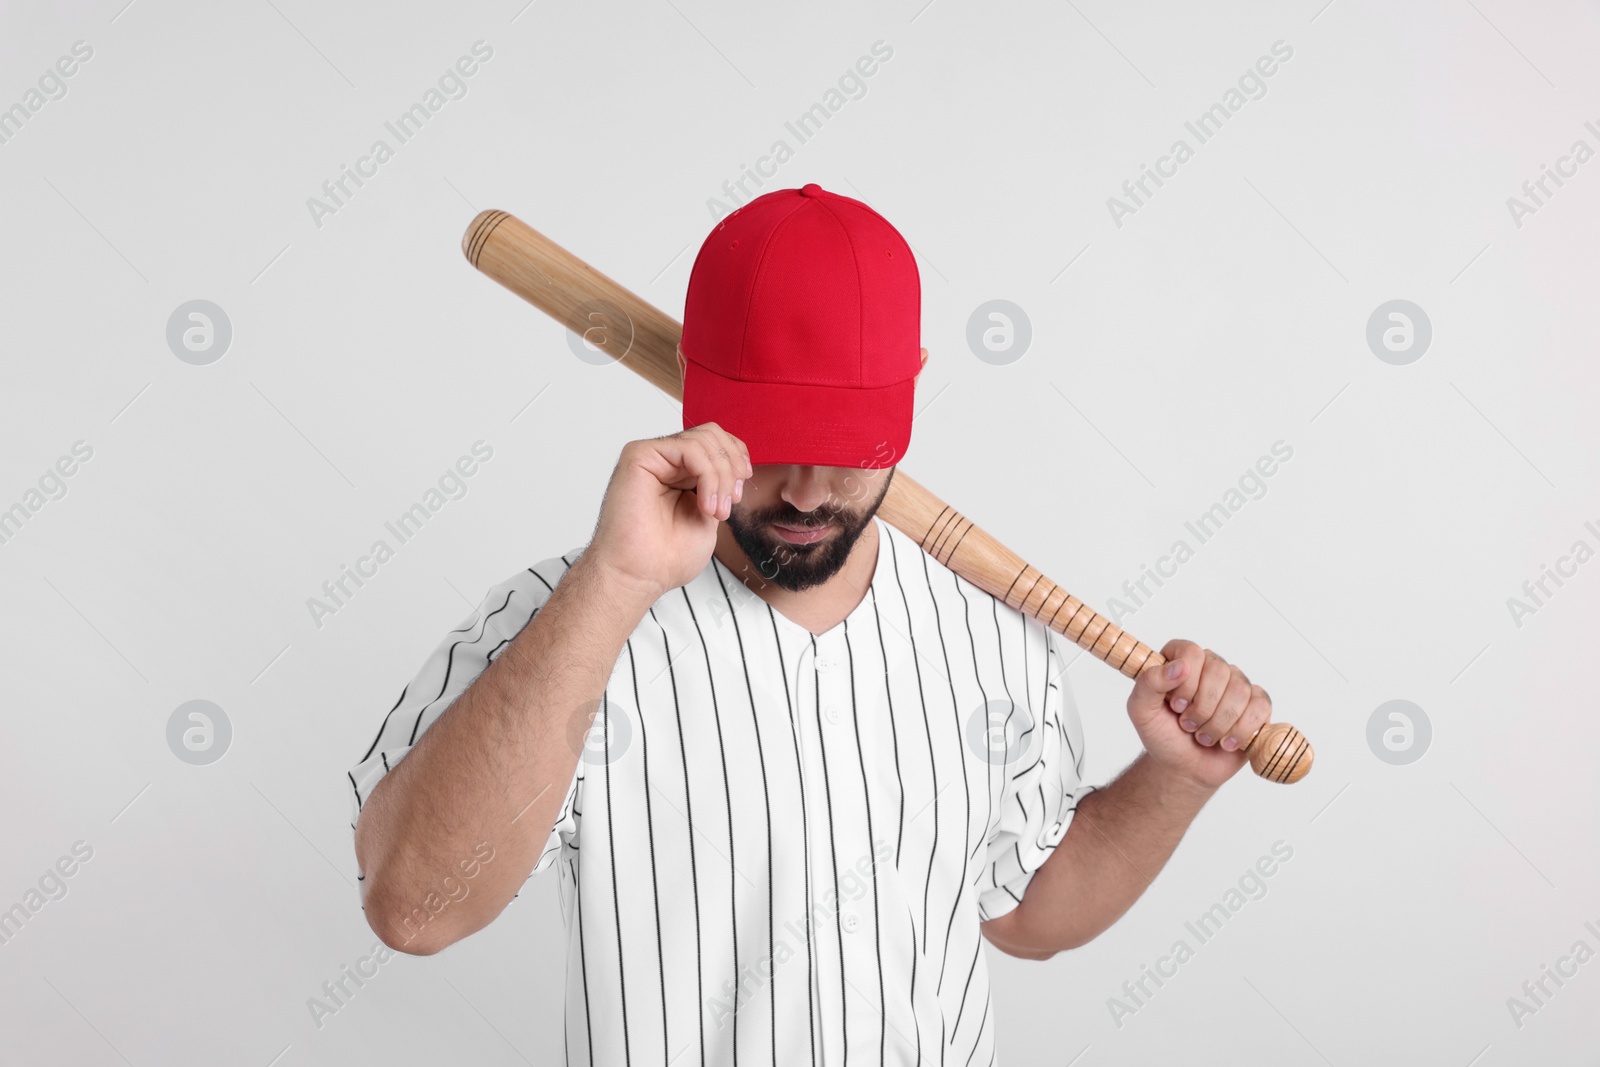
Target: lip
x,y
808,535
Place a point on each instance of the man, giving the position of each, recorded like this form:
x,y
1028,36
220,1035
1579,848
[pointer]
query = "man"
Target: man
x,y
788,767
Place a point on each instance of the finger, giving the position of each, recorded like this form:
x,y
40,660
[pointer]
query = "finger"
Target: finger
x,y
731,451
718,444
689,467
742,466
1235,697
719,476
1256,715
1214,678
1191,655
1151,687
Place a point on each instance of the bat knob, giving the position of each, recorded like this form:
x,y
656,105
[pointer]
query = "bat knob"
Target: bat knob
x,y
1280,753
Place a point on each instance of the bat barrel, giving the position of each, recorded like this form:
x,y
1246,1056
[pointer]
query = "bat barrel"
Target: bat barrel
x,y
642,338
591,305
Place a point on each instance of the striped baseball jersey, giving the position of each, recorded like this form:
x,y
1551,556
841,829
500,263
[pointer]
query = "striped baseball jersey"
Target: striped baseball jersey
x,y
777,846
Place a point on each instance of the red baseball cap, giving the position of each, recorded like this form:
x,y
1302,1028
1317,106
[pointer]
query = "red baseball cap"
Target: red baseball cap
x,y
801,331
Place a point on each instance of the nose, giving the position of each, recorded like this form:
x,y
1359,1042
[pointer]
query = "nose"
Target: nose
x,y
803,489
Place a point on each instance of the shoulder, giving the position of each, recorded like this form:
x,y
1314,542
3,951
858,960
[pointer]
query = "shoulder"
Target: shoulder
x,y
935,586
914,564
530,587
549,571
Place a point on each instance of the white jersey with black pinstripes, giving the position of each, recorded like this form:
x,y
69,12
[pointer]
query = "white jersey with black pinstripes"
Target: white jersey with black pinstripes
x,y
778,846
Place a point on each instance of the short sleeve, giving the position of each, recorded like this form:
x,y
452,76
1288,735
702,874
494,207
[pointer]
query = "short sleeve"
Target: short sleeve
x,y
1042,793
453,665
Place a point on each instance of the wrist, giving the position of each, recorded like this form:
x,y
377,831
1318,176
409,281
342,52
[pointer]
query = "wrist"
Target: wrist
x,y
614,586
1174,787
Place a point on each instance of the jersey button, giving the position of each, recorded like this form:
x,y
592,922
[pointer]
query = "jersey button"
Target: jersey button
x,y
851,922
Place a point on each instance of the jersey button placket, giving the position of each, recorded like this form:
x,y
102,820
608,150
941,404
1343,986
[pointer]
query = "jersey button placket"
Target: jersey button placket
x,y
806,694
829,715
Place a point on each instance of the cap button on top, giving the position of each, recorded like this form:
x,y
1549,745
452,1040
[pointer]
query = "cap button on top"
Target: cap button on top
x,y
811,189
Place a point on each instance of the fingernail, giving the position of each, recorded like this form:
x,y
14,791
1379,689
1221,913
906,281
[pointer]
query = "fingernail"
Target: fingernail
x,y
1173,668
738,487
1230,743
1187,724
1180,703
1204,739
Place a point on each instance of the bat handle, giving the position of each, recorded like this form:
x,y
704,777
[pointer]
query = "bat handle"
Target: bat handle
x,y
1278,752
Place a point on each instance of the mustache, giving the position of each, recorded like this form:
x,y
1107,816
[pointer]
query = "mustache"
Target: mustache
x,y
788,516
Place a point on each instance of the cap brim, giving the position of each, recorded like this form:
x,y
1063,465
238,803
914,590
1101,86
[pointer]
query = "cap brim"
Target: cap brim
x,y
814,425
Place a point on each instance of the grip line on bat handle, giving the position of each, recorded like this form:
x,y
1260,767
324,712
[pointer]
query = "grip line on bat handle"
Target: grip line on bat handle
x,y
644,340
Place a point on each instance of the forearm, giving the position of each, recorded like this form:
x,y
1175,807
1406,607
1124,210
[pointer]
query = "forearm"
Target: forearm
x,y
492,770
1118,841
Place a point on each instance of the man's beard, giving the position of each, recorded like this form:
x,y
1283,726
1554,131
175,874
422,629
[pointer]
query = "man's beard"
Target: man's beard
x,y
798,567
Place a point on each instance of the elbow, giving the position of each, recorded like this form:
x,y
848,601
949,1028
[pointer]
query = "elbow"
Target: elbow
x,y
1015,938
1067,941
1052,951
397,928
388,914
1014,935
1044,949
1039,951
1028,952
414,945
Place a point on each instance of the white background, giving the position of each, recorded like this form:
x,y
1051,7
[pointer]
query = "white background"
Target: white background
x,y
1228,313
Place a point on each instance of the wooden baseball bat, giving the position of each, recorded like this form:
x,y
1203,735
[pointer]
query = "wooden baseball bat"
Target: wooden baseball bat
x,y
645,340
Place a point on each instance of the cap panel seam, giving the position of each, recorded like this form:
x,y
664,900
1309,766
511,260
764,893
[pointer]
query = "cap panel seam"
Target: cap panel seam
x,y
861,311
755,281
700,255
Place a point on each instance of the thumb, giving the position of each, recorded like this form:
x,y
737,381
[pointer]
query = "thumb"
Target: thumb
x,y
1150,689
